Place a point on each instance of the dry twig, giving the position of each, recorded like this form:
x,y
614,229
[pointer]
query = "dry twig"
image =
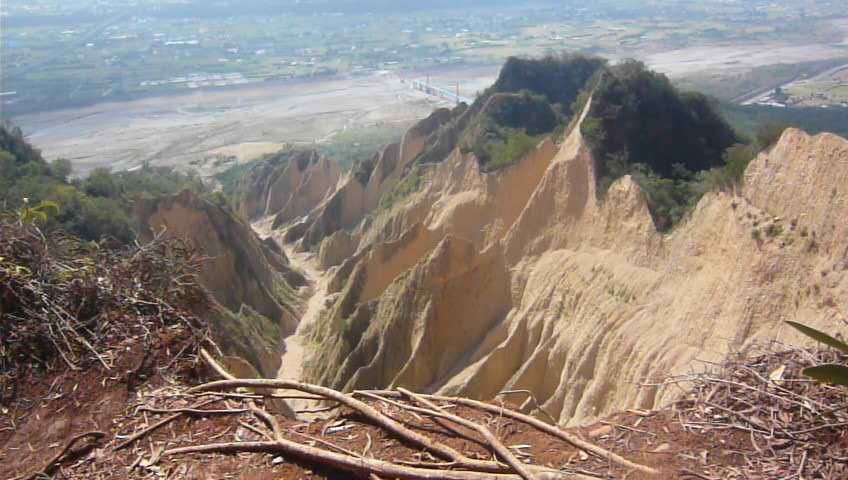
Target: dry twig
x,y
53,463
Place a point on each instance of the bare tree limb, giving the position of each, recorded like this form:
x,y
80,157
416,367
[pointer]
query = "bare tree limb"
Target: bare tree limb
x,y
496,444
366,410
53,462
192,411
534,422
356,465
161,423
267,418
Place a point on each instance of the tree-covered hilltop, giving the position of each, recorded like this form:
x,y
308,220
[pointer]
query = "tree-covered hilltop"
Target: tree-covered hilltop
x,y
92,208
638,117
531,98
675,144
558,78
509,125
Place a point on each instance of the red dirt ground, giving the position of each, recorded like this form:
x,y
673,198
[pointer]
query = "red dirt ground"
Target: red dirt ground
x,y
77,402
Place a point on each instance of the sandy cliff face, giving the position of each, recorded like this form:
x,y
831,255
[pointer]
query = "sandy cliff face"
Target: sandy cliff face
x,y
319,178
523,279
289,184
252,282
360,193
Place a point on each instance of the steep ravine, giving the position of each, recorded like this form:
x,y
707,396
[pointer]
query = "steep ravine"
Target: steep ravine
x,y
476,282
294,346
581,300
251,283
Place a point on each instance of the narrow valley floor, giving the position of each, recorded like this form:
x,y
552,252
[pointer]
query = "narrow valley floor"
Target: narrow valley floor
x,y
295,347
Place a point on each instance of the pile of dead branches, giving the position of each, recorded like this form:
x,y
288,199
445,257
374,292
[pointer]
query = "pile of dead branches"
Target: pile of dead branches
x,y
65,300
791,426
395,413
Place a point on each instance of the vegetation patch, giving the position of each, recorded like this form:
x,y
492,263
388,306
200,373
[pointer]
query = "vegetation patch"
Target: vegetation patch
x,y
516,145
532,98
676,145
412,182
230,178
558,78
747,119
774,230
362,170
509,126
92,208
637,116
66,302
357,145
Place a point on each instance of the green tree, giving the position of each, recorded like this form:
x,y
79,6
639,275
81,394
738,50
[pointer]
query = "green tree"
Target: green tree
x,y
101,183
93,207
640,124
558,78
61,169
767,134
7,164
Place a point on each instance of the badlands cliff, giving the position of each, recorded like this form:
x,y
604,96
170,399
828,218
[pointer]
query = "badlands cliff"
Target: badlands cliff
x,y
360,192
455,268
286,185
525,279
257,293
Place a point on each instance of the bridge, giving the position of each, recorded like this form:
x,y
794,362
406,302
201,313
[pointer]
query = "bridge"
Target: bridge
x,y
441,92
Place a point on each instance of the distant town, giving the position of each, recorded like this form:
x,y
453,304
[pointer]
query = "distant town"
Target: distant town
x,y
825,90
61,54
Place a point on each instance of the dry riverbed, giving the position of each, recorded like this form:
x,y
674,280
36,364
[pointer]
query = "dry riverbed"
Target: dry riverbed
x,y
202,129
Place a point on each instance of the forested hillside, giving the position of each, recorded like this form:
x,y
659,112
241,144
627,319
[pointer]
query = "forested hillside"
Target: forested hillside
x,y
531,98
91,208
746,118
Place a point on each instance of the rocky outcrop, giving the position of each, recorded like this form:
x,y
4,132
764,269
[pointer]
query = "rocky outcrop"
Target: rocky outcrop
x,y
316,183
359,194
417,312
524,279
336,248
289,185
252,282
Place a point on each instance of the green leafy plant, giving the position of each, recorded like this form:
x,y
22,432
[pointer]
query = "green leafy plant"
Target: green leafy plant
x,y
12,270
828,373
774,230
38,214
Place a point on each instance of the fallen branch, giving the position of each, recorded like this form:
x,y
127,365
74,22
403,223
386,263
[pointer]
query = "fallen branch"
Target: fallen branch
x,y
496,444
219,369
356,465
413,410
161,423
540,425
54,462
260,396
223,372
532,397
269,419
325,443
193,411
366,410
257,431
180,412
